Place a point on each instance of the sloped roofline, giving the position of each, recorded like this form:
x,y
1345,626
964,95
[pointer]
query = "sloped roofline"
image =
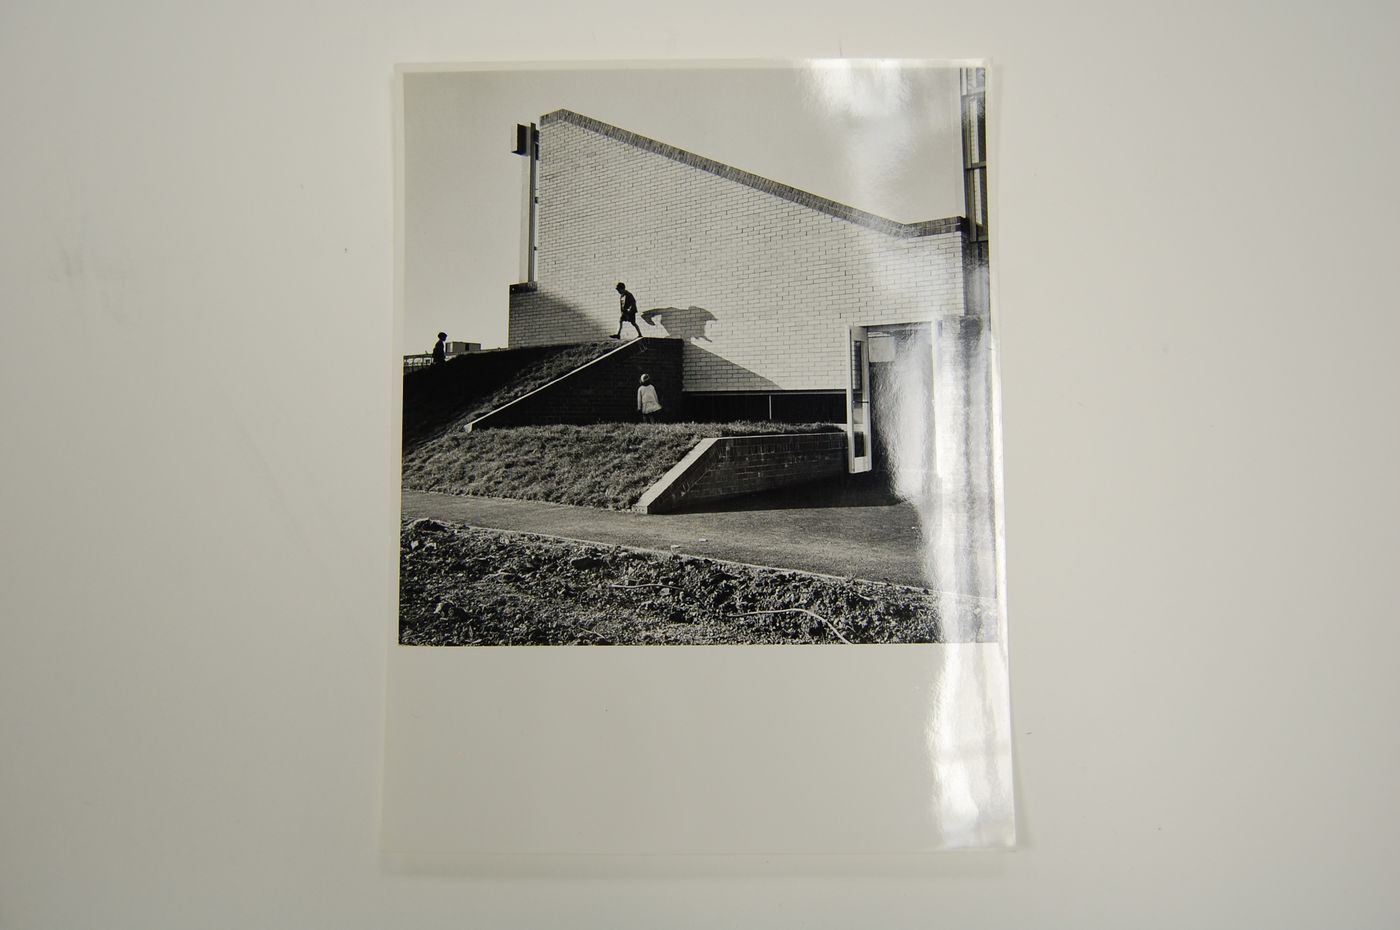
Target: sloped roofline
x,y
767,186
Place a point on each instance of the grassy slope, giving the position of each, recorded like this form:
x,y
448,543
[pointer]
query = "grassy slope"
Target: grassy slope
x,y
606,465
443,398
538,375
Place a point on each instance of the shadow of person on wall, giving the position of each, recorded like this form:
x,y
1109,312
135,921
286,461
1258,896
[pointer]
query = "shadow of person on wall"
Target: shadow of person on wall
x,y
680,323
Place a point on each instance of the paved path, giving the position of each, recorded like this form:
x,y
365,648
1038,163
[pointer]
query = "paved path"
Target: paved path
x,y
857,529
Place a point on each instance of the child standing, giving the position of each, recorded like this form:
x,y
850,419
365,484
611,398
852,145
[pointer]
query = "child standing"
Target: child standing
x,y
648,405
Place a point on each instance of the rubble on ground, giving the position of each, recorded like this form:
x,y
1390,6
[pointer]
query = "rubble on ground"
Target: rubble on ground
x,y
467,586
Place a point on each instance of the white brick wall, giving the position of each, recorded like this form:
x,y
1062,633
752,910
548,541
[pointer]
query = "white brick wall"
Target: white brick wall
x,y
782,280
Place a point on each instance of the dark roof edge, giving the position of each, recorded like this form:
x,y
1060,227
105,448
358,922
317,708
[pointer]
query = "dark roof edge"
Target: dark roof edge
x,y
786,192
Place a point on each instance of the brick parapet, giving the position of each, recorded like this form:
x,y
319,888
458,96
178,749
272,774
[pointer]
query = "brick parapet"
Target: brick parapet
x,y
731,466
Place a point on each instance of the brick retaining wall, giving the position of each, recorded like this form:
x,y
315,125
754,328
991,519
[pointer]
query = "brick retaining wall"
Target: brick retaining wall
x,y
733,465
603,391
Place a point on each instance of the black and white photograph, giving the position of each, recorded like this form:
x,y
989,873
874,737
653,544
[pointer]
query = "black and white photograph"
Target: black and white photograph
x,y
697,356
628,466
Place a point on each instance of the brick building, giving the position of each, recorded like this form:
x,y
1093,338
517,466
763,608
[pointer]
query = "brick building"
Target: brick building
x,y
790,305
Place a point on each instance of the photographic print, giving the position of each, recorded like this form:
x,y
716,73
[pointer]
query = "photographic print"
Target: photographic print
x,y
697,356
699,462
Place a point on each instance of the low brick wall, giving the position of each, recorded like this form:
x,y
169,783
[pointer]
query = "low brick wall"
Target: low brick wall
x,y
603,391
733,465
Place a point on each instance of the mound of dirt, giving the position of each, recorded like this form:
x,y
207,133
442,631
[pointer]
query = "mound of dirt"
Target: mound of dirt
x,y
465,586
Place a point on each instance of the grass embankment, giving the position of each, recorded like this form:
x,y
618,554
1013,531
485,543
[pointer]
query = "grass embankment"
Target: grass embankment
x,y
606,465
442,398
537,376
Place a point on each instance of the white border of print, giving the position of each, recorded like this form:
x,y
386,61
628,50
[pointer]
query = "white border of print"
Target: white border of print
x,y
714,749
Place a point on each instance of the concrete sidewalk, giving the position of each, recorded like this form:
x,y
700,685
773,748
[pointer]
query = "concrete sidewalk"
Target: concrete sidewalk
x,y
852,531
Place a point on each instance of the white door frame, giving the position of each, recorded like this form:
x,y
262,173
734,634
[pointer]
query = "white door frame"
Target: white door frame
x,y
860,449
860,412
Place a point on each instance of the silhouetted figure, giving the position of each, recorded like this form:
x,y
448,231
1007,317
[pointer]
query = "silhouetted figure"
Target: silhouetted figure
x,y
648,405
440,349
629,311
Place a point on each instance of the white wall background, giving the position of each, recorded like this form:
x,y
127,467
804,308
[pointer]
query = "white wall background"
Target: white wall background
x,y
1195,231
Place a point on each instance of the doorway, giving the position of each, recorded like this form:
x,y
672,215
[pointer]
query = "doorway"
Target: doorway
x,y
901,392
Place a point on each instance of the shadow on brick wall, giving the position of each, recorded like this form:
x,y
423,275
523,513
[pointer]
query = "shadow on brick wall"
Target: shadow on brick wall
x,y
686,323
705,367
540,318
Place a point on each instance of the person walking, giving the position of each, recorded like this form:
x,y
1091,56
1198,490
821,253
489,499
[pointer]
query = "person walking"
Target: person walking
x,y
648,405
629,311
440,349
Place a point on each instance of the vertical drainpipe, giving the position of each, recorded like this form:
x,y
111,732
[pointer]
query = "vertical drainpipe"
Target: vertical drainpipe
x,y
974,136
973,351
